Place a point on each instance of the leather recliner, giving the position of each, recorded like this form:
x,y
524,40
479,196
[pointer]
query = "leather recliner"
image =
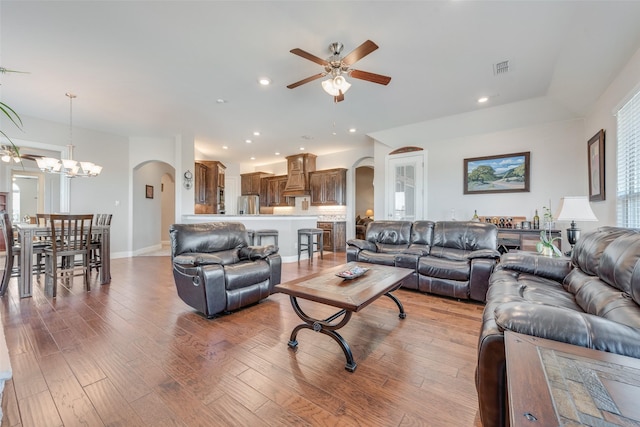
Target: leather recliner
x,y
215,269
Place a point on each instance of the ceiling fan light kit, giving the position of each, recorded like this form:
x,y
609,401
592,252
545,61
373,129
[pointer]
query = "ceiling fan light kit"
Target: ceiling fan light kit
x,y
336,65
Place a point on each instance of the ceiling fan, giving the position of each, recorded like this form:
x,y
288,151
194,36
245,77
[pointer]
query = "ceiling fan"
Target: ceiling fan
x,y
336,65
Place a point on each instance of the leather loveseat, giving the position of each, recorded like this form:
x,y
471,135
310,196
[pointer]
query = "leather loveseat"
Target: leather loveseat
x,y
216,270
591,300
450,258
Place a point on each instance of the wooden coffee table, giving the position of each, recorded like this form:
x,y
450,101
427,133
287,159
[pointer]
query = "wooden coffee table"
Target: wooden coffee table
x,y
348,295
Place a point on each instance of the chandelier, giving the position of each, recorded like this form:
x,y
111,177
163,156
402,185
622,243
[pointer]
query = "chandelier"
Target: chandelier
x,y
69,167
9,153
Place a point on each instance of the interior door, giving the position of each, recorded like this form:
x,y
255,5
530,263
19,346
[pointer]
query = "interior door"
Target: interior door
x,y
405,187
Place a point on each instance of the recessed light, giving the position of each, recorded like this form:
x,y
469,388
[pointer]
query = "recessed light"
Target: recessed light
x,y
224,147
252,158
352,130
264,81
301,148
256,133
483,99
248,141
277,153
221,101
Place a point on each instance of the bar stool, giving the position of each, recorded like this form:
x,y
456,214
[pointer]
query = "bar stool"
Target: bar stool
x,y
259,234
309,233
251,234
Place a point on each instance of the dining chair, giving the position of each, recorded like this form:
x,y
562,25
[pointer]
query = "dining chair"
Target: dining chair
x,y
96,241
6,236
70,237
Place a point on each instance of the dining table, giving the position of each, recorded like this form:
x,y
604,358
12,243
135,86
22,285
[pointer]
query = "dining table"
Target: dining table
x,y
28,233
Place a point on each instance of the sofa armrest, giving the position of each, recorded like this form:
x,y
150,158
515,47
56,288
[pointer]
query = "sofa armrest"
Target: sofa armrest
x,y
543,266
254,253
362,245
484,253
195,259
569,326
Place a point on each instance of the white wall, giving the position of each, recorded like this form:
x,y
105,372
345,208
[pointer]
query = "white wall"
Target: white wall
x,y
601,116
558,168
87,195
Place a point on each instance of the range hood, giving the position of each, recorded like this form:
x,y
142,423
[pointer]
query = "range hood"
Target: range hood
x,y
298,168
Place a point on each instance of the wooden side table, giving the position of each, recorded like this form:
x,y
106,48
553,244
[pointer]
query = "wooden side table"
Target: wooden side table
x,y
552,383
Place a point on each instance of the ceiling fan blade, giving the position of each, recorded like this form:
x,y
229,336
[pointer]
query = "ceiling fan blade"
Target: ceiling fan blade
x,y
307,80
360,52
310,57
371,77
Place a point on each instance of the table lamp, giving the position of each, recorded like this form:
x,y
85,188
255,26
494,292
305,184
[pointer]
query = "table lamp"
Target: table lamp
x,y
574,208
369,213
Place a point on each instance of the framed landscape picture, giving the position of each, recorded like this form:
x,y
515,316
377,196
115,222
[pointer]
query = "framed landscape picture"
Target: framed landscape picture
x,y
504,173
149,191
595,151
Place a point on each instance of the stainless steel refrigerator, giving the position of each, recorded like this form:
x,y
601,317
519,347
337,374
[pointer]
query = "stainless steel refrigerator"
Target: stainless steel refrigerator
x,y
248,205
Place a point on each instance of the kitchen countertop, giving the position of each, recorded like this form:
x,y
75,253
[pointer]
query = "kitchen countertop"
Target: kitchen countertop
x,y
287,226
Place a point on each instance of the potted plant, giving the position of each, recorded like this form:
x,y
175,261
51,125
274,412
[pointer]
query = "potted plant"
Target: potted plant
x,y
10,113
545,246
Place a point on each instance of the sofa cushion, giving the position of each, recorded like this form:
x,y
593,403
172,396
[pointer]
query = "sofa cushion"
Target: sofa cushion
x,y
389,233
246,273
444,268
620,266
588,251
377,258
465,235
207,237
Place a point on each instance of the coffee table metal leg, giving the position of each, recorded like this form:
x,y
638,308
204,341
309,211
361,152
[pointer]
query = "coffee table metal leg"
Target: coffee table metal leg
x,y
324,327
402,314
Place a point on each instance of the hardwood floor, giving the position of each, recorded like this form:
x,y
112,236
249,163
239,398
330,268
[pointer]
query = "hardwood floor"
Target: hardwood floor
x,y
133,354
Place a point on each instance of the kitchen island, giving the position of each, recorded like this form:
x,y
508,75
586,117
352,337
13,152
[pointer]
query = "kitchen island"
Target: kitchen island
x,y
287,226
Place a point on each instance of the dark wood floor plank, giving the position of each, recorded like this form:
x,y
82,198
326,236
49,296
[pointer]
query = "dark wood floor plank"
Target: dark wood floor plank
x,y
10,412
39,410
111,406
132,353
72,404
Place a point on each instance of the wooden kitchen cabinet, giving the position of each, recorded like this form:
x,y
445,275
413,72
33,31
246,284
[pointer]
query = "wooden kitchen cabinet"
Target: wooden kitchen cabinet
x,y
250,183
299,167
274,191
334,237
328,187
209,187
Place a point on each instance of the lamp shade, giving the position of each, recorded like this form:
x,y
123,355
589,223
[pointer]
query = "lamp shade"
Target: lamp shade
x,y
575,208
369,212
335,85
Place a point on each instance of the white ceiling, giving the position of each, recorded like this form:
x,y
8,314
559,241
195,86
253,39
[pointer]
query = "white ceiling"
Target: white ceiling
x,y
156,68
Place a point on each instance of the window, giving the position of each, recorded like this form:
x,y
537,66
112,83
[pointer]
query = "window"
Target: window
x,y
15,217
628,192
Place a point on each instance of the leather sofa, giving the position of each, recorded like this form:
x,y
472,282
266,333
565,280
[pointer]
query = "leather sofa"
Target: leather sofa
x,y
215,269
591,300
449,258
361,226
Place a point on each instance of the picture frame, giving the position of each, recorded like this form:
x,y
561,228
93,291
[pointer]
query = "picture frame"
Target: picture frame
x,y
149,191
595,159
503,173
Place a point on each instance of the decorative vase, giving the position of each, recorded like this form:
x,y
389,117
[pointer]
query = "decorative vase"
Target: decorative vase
x,y
546,251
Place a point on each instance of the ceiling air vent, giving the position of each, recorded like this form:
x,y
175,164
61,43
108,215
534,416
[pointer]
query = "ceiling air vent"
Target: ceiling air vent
x,y
501,68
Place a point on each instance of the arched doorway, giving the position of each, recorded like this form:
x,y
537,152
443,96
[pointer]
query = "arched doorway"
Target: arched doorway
x,y
153,206
359,196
